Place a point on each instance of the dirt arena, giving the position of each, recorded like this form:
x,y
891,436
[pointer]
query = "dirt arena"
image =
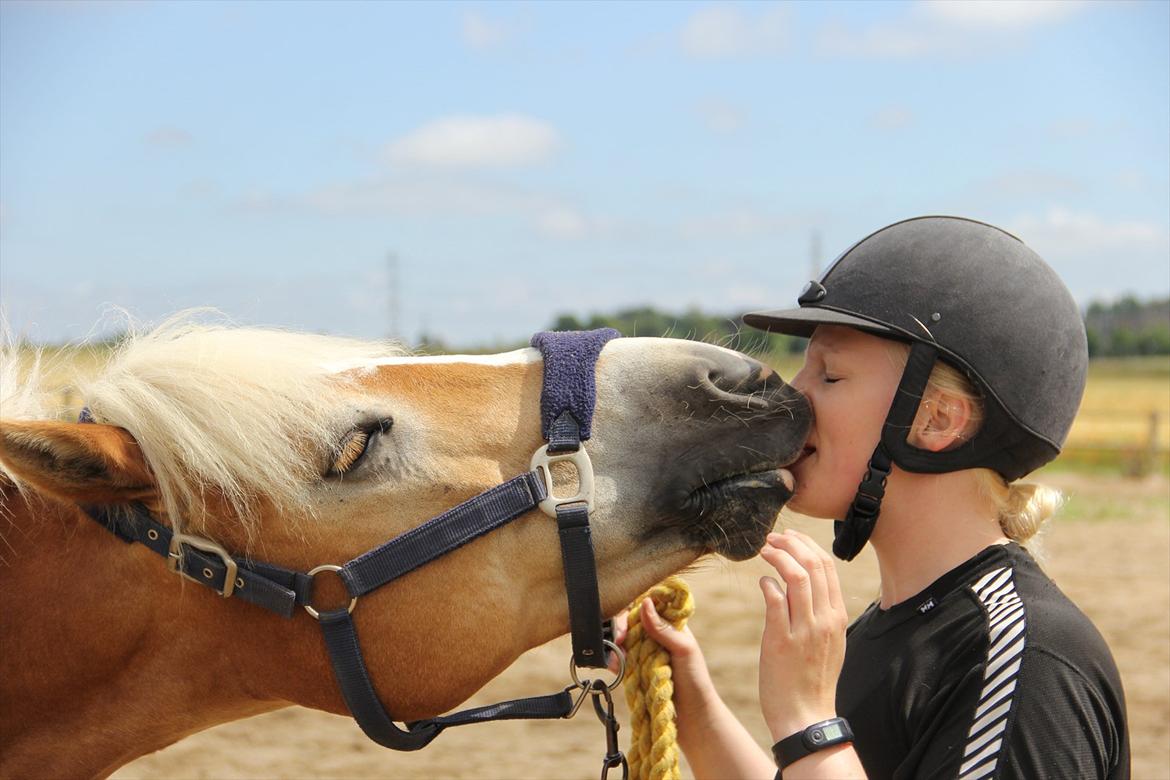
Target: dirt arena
x,y
1110,552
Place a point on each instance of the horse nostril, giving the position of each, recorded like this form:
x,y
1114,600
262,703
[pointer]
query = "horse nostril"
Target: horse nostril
x,y
741,375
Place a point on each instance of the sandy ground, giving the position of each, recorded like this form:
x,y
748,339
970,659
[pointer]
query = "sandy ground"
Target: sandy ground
x,y
1111,555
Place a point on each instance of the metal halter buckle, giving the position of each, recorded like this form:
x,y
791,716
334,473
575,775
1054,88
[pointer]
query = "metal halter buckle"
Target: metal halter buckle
x,y
542,463
175,557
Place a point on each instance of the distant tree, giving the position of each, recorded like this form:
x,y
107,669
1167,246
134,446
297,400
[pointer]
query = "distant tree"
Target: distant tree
x,y
1128,327
692,324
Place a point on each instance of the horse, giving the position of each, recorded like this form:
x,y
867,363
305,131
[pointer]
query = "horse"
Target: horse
x,y
302,450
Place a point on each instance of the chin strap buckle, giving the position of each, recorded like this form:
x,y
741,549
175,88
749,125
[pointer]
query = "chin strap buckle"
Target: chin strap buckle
x,y
868,501
851,534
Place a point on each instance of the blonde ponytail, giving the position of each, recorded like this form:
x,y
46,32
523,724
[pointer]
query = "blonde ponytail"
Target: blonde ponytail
x,y
1021,508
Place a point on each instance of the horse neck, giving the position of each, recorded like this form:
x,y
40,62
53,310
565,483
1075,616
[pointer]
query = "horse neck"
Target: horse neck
x,y
118,658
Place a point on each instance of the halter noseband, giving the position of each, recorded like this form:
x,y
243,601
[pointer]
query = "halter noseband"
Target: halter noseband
x,y
568,397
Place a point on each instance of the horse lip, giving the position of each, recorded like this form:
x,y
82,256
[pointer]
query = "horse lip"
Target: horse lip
x,y
733,515
746,477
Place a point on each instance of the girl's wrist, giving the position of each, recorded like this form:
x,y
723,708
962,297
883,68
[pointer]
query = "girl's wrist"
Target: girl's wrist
x,y
787,725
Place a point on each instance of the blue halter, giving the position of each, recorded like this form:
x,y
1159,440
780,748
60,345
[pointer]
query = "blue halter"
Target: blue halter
x,y
567,401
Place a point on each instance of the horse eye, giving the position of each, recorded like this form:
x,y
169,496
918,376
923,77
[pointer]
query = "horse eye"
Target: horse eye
x,y
354,445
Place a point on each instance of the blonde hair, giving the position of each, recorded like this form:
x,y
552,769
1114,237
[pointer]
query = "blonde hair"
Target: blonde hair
x,y
1021,508
217,407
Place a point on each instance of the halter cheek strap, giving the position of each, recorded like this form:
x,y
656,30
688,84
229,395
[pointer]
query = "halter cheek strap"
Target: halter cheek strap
x,y
567,401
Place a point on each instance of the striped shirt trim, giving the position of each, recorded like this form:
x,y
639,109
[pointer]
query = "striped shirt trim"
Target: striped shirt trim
x,y
1006,624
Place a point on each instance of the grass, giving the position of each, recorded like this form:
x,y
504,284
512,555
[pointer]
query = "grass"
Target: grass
x,y
1108,507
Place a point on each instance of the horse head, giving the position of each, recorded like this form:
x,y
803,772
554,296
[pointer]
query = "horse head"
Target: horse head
x,y
304,450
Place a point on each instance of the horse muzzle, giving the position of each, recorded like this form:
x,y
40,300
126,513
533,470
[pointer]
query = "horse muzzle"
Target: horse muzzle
x,y
728,483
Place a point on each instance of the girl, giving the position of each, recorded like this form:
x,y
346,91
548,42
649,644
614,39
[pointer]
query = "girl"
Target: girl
x,y
946,360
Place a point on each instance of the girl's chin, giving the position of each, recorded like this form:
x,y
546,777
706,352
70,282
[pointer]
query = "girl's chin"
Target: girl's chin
x,y
803,502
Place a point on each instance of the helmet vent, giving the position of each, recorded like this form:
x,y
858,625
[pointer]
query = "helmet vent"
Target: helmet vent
x,y
812,293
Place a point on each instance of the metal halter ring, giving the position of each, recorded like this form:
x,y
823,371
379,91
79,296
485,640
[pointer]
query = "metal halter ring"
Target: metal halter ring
x,y
313,573
621,673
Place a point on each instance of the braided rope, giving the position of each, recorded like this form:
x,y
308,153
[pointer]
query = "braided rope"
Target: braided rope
x,y
654,753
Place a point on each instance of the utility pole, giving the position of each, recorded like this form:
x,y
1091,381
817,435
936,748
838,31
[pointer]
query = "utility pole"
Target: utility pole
x,y
392,294
814,259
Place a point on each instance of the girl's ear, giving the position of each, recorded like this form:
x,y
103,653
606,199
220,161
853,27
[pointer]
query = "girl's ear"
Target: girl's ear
x,y
86,463
943,421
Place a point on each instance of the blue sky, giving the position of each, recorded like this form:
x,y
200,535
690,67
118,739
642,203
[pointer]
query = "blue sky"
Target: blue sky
x,y
528,159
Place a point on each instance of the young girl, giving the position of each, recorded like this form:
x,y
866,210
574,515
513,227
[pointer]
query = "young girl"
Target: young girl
x,y
946,360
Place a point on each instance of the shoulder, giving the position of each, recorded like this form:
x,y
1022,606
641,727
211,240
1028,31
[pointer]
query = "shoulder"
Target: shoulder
x,y
1048,679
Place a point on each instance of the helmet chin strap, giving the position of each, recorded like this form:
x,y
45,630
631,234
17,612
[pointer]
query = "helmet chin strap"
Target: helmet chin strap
x,y
851,534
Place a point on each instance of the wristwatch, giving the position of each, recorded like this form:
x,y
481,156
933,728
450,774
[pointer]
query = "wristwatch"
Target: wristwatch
x,y
818,736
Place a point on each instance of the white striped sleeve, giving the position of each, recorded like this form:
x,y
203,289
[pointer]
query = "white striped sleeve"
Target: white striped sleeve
x,y
1006,634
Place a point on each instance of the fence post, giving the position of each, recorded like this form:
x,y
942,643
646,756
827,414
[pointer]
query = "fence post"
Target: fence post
x,y
1150,461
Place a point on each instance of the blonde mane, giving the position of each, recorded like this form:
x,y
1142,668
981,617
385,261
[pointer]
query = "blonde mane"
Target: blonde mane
x,y
220,409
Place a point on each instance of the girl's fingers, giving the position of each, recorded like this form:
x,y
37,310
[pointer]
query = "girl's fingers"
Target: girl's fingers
x,y
621,624
775,605
836,600
821,571
797,585
662,632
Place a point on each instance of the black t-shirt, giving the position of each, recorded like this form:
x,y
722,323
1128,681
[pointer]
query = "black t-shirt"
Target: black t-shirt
x,y
991,672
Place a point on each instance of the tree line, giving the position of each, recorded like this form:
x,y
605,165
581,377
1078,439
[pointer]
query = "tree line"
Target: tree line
x,y
1128,327
1123,328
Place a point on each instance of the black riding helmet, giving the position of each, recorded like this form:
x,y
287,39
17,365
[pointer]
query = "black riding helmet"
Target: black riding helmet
x,y
971,295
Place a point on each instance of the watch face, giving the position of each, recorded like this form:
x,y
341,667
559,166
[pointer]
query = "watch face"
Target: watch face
x,y
832,731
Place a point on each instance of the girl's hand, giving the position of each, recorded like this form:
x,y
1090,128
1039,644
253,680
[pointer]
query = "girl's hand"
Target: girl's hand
x,y
803,646
621,624
694,692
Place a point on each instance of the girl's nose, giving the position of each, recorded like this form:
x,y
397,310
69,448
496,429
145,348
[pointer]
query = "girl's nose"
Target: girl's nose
x,y
801,382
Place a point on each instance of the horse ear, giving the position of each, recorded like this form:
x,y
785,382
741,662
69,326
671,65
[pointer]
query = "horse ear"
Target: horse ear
x,y
87,463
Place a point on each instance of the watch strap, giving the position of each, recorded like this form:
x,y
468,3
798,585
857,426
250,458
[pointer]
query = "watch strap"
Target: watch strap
x,y
818,736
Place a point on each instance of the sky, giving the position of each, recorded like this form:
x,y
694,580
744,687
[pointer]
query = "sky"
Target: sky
x,y
523,160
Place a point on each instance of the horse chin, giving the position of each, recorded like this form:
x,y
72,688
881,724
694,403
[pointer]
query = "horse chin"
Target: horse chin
x,y
733,516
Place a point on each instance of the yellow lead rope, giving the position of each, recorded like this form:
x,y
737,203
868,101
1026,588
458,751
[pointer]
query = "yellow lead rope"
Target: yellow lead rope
x,y
653,753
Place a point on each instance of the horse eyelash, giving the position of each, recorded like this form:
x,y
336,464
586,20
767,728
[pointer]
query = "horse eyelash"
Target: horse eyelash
x,y
354,446
350,451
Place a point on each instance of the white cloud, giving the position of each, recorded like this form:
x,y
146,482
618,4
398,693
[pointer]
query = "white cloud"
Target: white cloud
x,y
744,223
480,32
721,31
944,27
1000,14
721,116
168,137
477,141
1033,183
563,222
427,195
419,196
893,118
1063,231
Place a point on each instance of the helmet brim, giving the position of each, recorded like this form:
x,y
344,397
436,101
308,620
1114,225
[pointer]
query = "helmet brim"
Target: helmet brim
x,y
803,321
